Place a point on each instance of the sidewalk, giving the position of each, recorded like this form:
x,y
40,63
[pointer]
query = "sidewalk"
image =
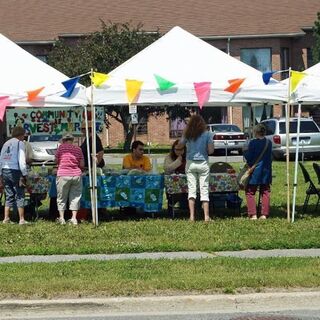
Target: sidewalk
x,y
250,254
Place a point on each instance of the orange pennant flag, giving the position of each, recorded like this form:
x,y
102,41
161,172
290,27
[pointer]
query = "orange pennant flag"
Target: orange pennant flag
x,y
234,85
133,89
33,94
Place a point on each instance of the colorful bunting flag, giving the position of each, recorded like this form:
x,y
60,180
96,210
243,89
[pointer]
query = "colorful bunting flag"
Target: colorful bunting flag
x,y
295,78
99,78
133,89
266,76
4,102
203,90
33,94
234,85
70,85
163,83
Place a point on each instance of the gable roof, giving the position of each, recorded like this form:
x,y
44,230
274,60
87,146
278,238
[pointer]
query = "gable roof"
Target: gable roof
x,y
183,59
21,72
36,20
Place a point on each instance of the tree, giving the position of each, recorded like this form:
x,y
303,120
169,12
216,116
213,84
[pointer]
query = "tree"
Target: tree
x,y
103,51
316,33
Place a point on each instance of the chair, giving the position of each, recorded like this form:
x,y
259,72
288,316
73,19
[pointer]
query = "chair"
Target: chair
x,y
312,190
220,167
316,168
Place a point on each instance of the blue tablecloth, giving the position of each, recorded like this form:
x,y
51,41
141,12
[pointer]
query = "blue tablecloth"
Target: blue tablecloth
x,y
145,192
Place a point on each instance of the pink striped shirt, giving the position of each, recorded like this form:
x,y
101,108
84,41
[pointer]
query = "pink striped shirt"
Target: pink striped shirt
x,y
68,157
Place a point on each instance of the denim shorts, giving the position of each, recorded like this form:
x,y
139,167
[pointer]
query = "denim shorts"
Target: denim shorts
x,y
14,193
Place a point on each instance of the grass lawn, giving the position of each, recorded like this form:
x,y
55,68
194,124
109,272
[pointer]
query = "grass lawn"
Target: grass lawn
x,y
145,234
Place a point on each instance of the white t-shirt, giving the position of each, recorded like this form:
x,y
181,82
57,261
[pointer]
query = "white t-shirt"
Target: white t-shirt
x,y
13,156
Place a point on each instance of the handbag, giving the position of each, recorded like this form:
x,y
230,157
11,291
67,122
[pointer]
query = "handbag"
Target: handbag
x,y
246,172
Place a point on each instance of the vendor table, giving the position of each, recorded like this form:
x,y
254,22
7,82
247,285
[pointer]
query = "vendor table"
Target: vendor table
x,y
37,184
219,183
37,187
142,191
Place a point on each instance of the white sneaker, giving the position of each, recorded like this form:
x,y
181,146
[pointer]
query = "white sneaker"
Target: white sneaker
x,y
21,222
6,221
73,221
61,221
254,217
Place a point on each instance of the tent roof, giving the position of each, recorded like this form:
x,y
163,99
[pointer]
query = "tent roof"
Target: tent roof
x,y
308,90
21,72
182,58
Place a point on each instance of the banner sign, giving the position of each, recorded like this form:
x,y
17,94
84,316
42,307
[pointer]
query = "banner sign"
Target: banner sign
x,y
56,121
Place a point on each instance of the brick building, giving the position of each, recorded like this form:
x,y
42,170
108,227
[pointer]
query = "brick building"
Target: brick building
x,y
268,35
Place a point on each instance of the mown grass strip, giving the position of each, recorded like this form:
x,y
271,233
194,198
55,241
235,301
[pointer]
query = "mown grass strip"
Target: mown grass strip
x,y
158,235
148,277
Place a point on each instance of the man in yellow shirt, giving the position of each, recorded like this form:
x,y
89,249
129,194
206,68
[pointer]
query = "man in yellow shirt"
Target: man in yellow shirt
x,y
136,159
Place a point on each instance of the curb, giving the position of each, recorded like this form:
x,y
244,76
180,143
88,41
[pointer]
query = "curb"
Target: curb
x,y
255,302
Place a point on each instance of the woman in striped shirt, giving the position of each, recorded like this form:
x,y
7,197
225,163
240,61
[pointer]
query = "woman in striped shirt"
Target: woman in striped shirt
x,y
69,183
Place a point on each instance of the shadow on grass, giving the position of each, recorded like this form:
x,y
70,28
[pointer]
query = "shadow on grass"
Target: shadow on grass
x,y
130,214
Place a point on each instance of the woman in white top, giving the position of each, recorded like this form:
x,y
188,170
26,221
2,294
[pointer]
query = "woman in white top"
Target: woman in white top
x,y
13,173
199,145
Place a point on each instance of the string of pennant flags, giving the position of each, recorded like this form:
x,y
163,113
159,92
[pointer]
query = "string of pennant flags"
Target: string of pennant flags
x,y
133,87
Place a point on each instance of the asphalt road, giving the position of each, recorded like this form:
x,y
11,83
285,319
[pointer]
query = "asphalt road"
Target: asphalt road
x,y
286,315
297,315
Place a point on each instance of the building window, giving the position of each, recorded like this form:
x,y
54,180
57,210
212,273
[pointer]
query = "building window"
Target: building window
x,y
284,62
43,58
142,127
310,62
259,58
176,128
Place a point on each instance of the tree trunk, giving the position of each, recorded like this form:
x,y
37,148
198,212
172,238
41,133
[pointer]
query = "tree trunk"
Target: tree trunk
x,y
128,130
128,139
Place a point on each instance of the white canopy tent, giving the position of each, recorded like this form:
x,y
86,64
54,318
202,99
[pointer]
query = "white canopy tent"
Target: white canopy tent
x,y
21,72
308,91
183,59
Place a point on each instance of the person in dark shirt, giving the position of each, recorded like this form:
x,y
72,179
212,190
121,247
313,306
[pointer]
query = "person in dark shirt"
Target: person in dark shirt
x,y
99,147
262,175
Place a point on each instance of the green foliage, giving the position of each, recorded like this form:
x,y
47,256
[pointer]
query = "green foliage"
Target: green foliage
x,y
316,33
103,51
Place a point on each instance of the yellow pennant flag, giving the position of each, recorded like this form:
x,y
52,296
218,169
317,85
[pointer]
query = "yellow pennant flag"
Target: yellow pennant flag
x,y
99,78
295,79
133,89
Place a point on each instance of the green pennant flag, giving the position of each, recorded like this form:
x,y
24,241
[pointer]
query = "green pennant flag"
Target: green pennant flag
x,y
163,83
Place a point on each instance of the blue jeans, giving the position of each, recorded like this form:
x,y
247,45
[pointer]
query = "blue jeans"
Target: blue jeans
x,y
14,193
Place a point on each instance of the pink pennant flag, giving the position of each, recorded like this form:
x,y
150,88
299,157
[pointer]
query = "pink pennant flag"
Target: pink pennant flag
x,y
203,90
4,102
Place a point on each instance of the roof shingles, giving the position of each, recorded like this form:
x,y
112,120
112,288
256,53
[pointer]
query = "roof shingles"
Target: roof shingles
x,y
35,20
